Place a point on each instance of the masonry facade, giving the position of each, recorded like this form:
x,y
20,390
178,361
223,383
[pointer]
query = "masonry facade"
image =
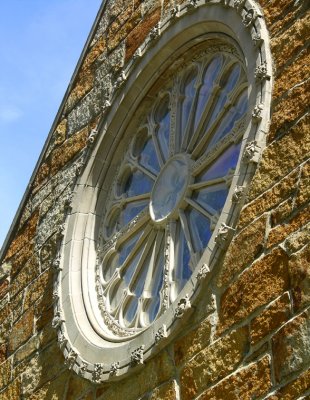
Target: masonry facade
x,y
249,334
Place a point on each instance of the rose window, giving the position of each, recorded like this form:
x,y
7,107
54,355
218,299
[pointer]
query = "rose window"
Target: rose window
x,y
170,189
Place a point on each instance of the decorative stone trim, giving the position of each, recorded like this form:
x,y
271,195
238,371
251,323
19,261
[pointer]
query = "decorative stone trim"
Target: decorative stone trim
x,y
97,372
224,235
183,305
58,319
92,137
245,13
239,194
203,272
161,334
251,153
70,358
257,112
261,72
136,356
114,368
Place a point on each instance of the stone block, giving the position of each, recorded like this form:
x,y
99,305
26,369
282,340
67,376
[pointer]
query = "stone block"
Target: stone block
x,y
294,104
43,368
167,391
22,330
41,175
243,250
137,36
12,392
270,199
5,373
86,111
20,259
303,194
281,232
25,235
252,382
156,371
26,275
270,318
297,240
294,389
281,13
48,253
281,157
264,281
3,352
194,341
291,41
54,390
282,212
77,386
291,347
63,154
16,304
41,289
213,363
4,287
293,74
299,269
26,350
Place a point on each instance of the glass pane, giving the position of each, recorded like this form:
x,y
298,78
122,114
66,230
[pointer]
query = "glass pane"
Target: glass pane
x,y
110,267
189,93
153,308
137,183
148,157
130,310
228,85
126,248
140,281
183,271
226,161
117,294
156,285
163,119
227,124
214,196
131,210
210,75
130,269
200,229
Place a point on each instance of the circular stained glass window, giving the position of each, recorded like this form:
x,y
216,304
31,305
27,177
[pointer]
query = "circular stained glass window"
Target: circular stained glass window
x,y
170,190
164,177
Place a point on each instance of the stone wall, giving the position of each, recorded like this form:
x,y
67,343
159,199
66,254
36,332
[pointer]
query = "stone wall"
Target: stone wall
x,y
250,338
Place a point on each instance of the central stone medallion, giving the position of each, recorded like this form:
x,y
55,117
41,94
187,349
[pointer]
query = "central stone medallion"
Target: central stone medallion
x,y
170,187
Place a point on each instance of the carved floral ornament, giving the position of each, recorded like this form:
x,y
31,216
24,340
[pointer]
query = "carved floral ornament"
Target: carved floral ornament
x,y
142,233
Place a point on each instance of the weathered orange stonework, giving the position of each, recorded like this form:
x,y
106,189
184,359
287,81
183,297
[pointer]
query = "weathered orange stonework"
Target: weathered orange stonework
x,y
253,341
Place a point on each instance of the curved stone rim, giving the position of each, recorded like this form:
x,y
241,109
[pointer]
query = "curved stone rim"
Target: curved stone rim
x,y
69,319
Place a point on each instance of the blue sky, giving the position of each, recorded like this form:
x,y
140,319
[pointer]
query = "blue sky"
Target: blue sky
x,y
40,43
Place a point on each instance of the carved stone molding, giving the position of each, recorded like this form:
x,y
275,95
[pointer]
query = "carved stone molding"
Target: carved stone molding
x,y
257,112
161,334
224,235
70,359
137,356
58,319
261,72
239,194
97,372
114,368
251,153
183,305
203,272
92,137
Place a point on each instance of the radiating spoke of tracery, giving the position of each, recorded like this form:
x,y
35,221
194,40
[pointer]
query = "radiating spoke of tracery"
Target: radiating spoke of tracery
x,y
171,188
